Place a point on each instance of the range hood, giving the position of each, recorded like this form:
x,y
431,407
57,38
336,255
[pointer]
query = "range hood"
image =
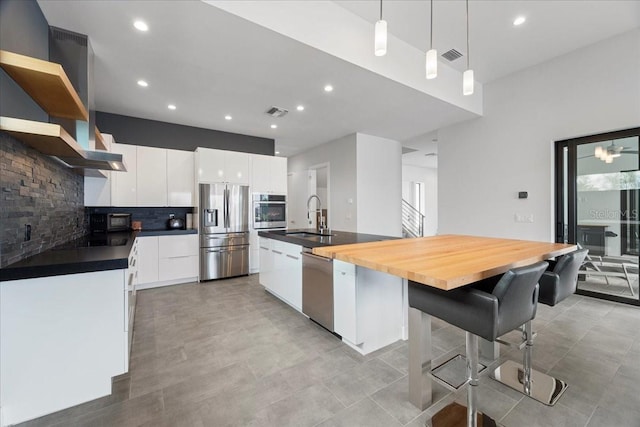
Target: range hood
x,y
102,160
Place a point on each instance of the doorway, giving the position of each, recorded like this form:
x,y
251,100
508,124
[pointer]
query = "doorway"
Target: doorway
x,y
597,195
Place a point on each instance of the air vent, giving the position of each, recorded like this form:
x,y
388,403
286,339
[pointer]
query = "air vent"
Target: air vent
x,y
407,150
277,112
451,55
61,34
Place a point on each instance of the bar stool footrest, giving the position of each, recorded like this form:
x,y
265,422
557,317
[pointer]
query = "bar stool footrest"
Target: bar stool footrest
x,y
452,373
543,388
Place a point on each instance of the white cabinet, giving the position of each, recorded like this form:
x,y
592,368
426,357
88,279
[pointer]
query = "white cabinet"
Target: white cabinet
x,y
147,260
359,296
345,309
151,172
222,166
281,270
124,185
178,257
167,260
268,174
180,178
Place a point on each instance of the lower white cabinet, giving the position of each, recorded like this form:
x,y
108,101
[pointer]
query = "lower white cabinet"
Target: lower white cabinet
x,y
281,270
167,260
360,295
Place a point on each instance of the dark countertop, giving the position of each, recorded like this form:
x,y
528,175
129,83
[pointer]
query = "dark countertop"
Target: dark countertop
x,y
90,253
335,238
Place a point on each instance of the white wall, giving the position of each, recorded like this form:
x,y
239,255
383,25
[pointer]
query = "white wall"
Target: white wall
x,y
483,163
428,176
341,156
379,183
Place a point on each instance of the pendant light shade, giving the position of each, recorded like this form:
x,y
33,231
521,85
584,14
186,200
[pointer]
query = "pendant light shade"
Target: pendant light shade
x,y
467,77
431,66
467,82
381,38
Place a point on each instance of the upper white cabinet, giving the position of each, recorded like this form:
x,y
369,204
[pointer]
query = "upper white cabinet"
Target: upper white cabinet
x,y
154,177
222,166
180,178
268,174
124,185
151,172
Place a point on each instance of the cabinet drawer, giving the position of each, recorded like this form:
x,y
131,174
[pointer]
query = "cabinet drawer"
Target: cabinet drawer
x,y
178,268
177,246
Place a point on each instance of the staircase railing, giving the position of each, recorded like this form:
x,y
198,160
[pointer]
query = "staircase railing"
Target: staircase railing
x,y
412,221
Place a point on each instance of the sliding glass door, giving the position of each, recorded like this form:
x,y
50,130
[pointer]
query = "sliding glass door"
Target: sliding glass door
x,y
597,195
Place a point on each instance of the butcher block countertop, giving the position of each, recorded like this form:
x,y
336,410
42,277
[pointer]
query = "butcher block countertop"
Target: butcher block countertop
x,y
447,261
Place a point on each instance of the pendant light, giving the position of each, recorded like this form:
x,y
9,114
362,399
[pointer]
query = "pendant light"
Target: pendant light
x,y
467,77
381,35
431,65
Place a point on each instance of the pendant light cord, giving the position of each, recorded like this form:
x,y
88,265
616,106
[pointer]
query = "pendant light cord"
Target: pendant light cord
x,y
431,29
380,10
468,55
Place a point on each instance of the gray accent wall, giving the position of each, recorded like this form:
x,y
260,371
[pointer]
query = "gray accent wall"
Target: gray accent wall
x,y
152,133
23,30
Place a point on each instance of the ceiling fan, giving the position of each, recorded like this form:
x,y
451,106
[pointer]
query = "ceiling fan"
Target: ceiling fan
x,y
610,152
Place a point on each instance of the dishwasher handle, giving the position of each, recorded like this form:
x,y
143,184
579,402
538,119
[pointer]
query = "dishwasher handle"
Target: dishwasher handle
x,y
319,258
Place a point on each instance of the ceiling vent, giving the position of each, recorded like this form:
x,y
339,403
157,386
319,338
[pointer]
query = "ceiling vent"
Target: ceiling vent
x,y
451,55
277,112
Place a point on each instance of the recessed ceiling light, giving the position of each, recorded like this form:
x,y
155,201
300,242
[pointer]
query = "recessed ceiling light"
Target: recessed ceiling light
x,y
228,117
277,152
274,126
300,108
519,20
328,88
141,25
142,83
171,107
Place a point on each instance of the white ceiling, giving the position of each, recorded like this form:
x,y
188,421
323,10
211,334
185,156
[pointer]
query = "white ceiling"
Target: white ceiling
x,y
211,63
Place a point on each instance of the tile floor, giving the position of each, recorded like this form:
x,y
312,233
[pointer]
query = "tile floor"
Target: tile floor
x,y
229,354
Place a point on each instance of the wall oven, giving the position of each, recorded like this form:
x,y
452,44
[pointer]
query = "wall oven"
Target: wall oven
x,y
269,211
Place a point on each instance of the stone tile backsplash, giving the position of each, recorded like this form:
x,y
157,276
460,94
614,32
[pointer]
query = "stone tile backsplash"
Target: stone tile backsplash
x,y
36,190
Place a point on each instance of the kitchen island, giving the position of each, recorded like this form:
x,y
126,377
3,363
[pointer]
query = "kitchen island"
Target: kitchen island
x,y
345,299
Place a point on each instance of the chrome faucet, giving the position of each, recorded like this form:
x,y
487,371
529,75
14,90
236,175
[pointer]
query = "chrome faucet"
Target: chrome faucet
x,y
322,227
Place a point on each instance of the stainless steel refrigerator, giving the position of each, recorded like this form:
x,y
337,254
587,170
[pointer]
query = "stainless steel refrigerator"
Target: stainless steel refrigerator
x,y
224,230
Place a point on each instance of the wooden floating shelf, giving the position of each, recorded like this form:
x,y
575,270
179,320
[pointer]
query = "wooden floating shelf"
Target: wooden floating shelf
x,y
47,83
100,145
47,138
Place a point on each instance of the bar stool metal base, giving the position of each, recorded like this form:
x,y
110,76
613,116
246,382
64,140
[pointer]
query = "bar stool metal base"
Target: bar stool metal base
x,y
455,414
542,387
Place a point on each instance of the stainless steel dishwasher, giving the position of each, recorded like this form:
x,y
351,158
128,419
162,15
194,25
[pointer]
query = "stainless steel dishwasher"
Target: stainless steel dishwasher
x,y
317,288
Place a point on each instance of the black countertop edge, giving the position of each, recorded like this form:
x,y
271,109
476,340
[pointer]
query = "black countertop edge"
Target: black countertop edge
x,y
335,238
58,262
146,233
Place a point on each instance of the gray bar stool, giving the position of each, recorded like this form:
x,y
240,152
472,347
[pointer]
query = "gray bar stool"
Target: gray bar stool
x,y
555,286
511,303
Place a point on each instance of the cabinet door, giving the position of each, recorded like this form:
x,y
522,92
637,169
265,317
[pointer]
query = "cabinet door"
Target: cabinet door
x,y
147,259
345,308
260,173
152,176
210,165
97,191
279,175
236,167
266,263
124,184
180,178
